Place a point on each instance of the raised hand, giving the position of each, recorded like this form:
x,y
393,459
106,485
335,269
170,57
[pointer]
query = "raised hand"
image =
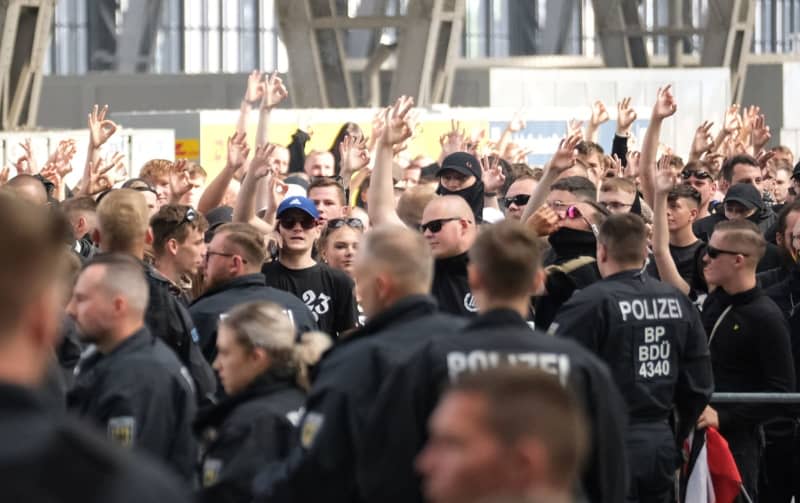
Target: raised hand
x,y
492,174
544,221
733,121
255,88
703,140
517,124
353,154
564,157
764,157
397,128
665,179
759,134
612,167
104,174
574,126
259,164
237,151
633,158
26,164
5,174
100,128
626,115
454,140
179,183
665,103
599,114
273,91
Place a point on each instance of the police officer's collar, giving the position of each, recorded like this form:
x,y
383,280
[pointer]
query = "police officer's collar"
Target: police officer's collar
x,y
497,317
404,310
630,273
141,337
255,279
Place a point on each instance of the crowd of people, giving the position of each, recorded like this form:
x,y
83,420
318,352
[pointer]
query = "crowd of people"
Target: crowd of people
x,y
359,325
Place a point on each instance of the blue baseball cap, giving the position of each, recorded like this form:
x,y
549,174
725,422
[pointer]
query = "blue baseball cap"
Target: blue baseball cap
x,y
298,203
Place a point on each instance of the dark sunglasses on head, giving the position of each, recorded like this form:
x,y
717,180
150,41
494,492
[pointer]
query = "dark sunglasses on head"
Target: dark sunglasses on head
x,y
336,223
700,175
716,252
519,200
436,225
288,222
189,217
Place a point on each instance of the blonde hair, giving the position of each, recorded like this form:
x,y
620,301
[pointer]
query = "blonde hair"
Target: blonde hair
x,y
268,326
122,218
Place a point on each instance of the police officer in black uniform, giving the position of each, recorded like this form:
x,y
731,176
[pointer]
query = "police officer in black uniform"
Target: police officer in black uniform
x,y
393,271
233,277
653,340
122,227
132,385
45,456
504,271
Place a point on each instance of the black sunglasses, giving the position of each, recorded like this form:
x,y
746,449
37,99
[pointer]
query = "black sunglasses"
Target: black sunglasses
x,y
519,200
288,223
436,225
716,252
700,175
336,223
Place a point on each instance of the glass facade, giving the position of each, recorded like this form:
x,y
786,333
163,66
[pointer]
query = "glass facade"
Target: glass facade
x,y
209,36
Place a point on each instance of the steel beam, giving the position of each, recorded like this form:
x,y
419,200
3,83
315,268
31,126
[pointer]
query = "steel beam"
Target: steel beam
x,y
557,27
618,25
137,41
729,34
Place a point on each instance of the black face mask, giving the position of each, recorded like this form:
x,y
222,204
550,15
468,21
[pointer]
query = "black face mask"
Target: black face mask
x,y
636,207
473,195
572,242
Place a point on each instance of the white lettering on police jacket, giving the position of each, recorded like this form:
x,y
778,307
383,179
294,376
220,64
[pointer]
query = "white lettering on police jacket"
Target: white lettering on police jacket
x,y
659,308
459,362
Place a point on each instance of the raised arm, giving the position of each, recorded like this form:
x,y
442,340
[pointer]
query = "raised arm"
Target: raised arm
x,y
663,183
516,125
252,93
215,191
273,93
562,160
665,107
100,130
396,130
626,116
599,116
258,170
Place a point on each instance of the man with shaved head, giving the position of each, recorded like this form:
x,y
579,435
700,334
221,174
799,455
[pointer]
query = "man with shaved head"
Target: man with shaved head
x,y
393,272
29,187
448,225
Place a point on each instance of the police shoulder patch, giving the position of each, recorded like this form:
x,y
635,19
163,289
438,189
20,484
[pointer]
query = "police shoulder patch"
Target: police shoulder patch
x,y
211,469
312,422
122,430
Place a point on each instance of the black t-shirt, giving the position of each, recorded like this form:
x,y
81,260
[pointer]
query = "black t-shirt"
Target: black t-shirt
x,y
689,262
327,292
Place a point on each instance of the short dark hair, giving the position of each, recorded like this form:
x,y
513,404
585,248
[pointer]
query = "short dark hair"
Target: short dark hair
x,y
780,226
625,238
685,191
747,233
508,256
327,182
527,402
171,223
580,186
727,167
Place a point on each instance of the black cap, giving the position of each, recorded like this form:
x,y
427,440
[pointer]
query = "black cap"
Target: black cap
x,y
216,217
745,194
461,162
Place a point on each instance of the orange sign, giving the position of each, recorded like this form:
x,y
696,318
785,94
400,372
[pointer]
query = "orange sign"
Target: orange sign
x,y
187,148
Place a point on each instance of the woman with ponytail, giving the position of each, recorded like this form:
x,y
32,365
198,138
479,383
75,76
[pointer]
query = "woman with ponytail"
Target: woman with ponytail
x,y
264,372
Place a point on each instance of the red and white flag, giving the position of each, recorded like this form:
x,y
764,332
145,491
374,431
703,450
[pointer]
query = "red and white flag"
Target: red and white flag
x,y
712,473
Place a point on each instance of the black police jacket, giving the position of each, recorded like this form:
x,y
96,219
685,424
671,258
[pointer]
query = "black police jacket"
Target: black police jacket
x,y
397,429
45,456
652,339
245,432
142,397
206,309
349,378
450,287
751,351
168,319
786,295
